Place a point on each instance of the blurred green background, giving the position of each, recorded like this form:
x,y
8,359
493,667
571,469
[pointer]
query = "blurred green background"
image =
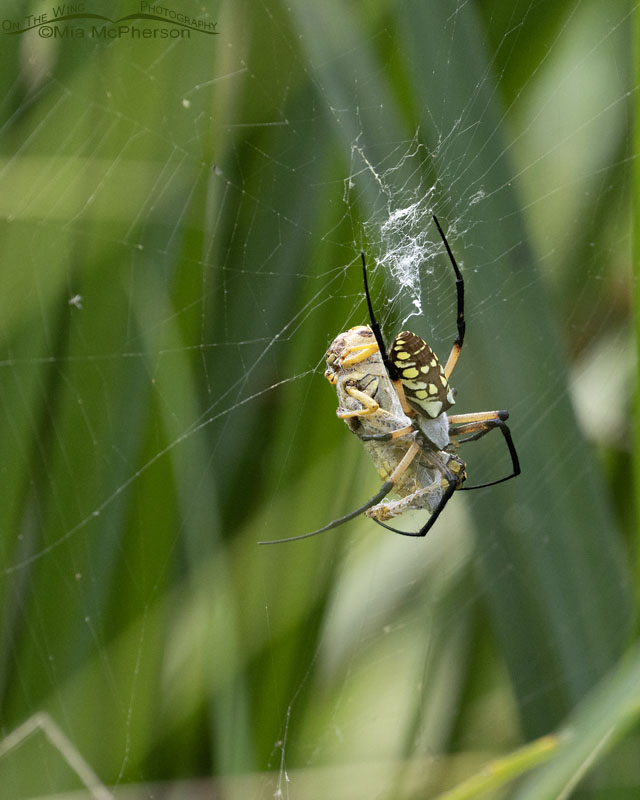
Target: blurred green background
x,y
181,225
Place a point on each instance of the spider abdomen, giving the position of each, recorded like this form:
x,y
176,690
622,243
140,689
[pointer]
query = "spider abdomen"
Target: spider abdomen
x,y
425,385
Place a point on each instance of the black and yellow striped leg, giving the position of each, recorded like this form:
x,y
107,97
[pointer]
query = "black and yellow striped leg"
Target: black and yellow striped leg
x,y
453,484
387,486
392,372
387,437
478,425
458,341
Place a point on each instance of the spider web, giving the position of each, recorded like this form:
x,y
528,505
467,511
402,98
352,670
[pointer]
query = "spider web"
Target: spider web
x,y
182,225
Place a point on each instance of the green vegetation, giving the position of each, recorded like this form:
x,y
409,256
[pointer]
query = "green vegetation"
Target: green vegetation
x,y
181,225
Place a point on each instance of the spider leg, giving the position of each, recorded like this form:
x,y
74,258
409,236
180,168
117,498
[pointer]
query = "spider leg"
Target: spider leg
x,y
386,437
478,425
388,364
394,508
457,344
453,485
387,486
390,367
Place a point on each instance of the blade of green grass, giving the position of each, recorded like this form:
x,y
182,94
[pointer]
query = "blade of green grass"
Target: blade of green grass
x,y
635,232
597,725
555,553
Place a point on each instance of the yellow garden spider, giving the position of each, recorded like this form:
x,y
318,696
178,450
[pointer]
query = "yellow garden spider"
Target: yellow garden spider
x,y
396,402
